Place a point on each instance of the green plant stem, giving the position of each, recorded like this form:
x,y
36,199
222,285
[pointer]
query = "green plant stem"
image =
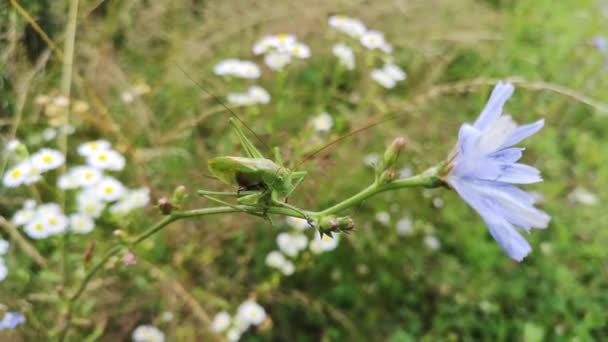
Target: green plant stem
x,y
429,178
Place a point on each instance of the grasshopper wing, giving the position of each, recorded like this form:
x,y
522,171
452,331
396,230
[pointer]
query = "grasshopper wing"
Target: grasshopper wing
x,y
230,169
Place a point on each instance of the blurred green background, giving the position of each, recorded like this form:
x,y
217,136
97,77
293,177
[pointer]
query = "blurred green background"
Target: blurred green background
x,y
377,285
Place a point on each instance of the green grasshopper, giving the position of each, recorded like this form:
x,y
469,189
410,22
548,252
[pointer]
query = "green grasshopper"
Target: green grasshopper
x,y
260,181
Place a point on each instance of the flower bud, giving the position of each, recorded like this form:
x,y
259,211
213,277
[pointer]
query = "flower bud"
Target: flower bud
x,y
392,152
165,206
129,259
179,195
331,224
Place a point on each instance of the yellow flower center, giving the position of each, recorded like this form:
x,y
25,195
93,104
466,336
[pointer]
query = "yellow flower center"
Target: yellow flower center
x,y
102,157
326,238
88,175
282,37
94,146
108,190
16,173
38,226
47,159
52,221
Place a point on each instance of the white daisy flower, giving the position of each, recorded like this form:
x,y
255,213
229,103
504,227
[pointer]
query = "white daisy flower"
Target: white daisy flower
x,y
22,173
405,226
262,45
277,60
81,224
240,99
291,243
251,312
432,242
226,67
12,145
23,216
297,223
248,69
288,268
237,68
56,222
67,181
4,246
134,199
383,78
221,322
109,189
351,26
49,134
259,94
373,40
233,335
345,55
37,228
394,72
107,160
275,259
323,122
383,217
61,101
147,333
299,50
87,176
88,204
47,159
3,270
91,147
324,244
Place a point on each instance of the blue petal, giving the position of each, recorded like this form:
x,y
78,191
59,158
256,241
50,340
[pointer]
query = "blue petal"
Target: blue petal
x,y
501,93
467,136
523,132
508,155
509,239
518,174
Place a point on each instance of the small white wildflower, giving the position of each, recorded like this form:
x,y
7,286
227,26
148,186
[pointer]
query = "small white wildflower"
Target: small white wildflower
x,y
4,246
88,203
383,78
37,228
133,199
432,242
237,68
383,217
22,173
240,99
23,216
277,60
127,96
221,322
233,335
61,101
3,270
297,223
49,134
47,159
147,333
258,94
251,312
323,122
262,45
275,259
91,147
248,70
394,72
583,196
351,26
288,268
13,145
81,224
56,222
324,244
227,67
107,160
87,176
299,50
291,243
405,226
345,55
109,189
67,181
371,159
373,39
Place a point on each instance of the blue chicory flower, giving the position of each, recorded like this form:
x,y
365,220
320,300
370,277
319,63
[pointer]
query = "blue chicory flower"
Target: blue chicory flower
x,y
11,320
483,170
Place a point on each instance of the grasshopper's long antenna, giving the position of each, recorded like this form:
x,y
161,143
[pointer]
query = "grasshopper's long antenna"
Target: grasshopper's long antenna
x,y
345,136
218,100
